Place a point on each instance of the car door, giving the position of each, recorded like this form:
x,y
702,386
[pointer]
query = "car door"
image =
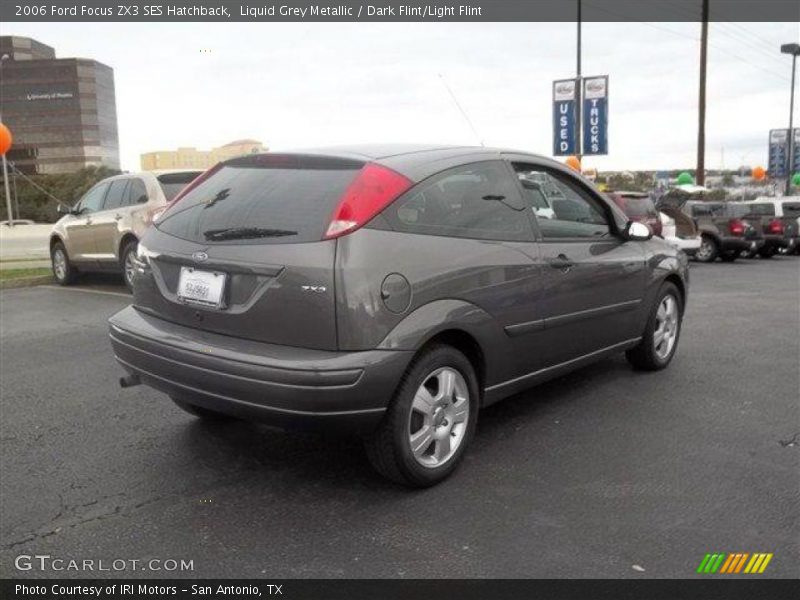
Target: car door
x,y
468,238
593,279
79,238
106,221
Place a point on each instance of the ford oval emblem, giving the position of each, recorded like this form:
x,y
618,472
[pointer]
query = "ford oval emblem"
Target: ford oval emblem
x,y
199,256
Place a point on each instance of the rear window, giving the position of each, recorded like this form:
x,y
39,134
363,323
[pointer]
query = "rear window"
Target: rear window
x,y
791,210
172,183
264,199
751,210
708,210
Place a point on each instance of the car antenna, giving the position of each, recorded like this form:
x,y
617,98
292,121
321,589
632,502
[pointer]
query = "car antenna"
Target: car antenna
x,y
460,108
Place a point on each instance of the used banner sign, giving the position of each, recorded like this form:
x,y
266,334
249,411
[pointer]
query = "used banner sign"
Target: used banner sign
x,y
595,115
564,110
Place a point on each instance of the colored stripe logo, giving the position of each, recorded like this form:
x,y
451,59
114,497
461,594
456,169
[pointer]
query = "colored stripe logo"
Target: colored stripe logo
x,y
735,562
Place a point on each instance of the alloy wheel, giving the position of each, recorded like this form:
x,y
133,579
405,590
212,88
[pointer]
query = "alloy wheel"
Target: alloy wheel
x,y
667,324
59,264
439,416
129,267
705,251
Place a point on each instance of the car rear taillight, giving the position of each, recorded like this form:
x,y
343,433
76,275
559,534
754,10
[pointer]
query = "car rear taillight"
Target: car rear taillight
x,y
736,227
775,226
373,189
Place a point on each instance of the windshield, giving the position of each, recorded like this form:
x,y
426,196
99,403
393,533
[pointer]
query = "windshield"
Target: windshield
x,y
258,200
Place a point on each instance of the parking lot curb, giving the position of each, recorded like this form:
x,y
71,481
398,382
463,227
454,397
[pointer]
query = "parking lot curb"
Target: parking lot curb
x,y
23,282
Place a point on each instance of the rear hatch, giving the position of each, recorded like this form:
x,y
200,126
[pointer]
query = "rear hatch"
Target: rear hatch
x,y
685,226
242,252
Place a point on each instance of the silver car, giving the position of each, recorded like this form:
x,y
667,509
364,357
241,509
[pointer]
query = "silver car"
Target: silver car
x,y
101,232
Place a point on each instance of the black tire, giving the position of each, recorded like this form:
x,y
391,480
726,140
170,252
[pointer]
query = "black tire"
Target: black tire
x,y
128,252
645,357
389,447
767,252
708,251
729,256
199,411
63,272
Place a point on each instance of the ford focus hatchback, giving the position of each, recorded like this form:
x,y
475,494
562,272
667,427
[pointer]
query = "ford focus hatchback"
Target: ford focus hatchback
x,y
392,292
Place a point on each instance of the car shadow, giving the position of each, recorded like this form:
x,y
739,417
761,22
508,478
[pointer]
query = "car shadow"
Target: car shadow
x,y
339,462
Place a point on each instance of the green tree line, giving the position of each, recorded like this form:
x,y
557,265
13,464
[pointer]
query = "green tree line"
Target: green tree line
x,y
66,188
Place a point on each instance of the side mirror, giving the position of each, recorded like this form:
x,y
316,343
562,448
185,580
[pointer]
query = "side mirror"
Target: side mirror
x,y
637,231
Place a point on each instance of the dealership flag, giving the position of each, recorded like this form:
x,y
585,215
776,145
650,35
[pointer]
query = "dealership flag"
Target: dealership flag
x,y
564,110
595,115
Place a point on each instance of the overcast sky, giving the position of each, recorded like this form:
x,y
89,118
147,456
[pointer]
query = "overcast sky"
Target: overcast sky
x,y
296,85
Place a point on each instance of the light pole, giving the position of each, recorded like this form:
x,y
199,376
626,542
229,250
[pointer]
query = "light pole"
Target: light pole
x,y
5,166
794,50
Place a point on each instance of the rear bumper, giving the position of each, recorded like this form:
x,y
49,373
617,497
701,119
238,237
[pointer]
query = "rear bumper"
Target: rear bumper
x,y
281,385
776,241
735,244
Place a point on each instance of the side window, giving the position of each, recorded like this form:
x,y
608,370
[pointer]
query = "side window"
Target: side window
x,y
478,201
137,193
117,194
92,201
562,208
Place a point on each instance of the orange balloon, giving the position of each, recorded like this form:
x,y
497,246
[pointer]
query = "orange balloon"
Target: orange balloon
x,y
573,163
759,173
5,138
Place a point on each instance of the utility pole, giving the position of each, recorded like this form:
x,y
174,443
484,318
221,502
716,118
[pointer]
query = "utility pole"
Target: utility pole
x,y
794,50
700,179
5,166
578,94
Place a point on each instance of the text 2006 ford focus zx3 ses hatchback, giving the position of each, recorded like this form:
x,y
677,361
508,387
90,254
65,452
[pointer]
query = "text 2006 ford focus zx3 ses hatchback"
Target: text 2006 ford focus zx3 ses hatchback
x,y
391,291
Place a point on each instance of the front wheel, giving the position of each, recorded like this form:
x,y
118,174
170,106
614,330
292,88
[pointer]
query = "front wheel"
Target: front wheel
x,y
430,421
660,339
63,270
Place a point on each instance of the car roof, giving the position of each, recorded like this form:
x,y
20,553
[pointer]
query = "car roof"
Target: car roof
x,y
418,161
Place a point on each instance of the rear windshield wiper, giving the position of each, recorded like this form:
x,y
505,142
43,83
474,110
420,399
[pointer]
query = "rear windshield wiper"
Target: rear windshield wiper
x,y
245,233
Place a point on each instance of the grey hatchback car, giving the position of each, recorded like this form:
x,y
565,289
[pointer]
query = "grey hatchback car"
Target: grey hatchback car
x,y
391,292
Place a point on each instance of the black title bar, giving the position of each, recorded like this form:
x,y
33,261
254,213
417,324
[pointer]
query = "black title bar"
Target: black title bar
x,y
716,588
126,11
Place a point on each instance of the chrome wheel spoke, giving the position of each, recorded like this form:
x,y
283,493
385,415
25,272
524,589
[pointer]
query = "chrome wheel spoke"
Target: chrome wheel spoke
x,y
421,440
460,412
442,449
423,401
447,384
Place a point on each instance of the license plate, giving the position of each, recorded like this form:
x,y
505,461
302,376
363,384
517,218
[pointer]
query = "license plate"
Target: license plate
x,y
201,287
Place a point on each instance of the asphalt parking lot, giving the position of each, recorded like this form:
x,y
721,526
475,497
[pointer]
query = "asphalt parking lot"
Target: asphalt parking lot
x,y
603,473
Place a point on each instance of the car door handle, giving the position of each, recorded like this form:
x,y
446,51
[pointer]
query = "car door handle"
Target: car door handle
x,y
562,263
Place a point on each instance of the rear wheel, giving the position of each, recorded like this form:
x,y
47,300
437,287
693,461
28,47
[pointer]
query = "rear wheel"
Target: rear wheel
x,y
202,412
660,339
63,271
430,421
127,259
767,252
707,252
729,256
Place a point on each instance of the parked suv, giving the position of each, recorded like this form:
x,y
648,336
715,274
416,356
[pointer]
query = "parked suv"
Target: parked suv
x,y
723,236
101,231
390,291
786,210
